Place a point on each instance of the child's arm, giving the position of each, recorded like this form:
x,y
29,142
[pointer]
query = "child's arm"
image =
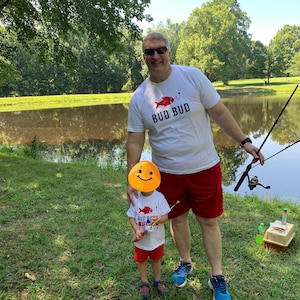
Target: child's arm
x,y
138,232
160,220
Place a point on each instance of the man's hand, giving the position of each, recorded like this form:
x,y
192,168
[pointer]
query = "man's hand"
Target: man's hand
x,y
253,150
130,192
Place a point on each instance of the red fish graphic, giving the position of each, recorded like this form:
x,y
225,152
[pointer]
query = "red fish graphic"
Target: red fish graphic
x,y
165,101
146,210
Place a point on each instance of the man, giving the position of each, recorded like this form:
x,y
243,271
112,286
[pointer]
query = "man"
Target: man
x,y
175,104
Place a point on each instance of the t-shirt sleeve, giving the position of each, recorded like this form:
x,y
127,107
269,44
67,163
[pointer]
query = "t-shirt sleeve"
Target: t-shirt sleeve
x,y
164,205
131,212
208,94
135,121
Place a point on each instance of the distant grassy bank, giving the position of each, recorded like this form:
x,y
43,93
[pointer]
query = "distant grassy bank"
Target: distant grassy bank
x,y
236,87
61,101
65,236
258,86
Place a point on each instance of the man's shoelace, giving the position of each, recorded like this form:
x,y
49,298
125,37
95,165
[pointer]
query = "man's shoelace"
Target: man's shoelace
x,y
220,284
182,269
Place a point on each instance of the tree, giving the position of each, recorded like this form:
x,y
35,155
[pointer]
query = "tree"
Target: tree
x,y
256,61
170,30
97,71
33,78
215,39
281,50
52,23
7,47
294,69
132,59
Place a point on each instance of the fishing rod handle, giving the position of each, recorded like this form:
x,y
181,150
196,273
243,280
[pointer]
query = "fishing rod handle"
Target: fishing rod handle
x,y
242,177
137,239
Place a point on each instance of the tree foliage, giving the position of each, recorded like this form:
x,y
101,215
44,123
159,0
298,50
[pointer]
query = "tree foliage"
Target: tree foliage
x,y
294,69
255,67
215,39
282,49
171,30
96,72
82,47
52,23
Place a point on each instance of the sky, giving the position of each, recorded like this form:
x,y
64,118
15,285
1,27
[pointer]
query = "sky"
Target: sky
x,y
267,16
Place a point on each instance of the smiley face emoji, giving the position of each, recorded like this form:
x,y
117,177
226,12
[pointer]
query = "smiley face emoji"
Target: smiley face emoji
x,y
144,176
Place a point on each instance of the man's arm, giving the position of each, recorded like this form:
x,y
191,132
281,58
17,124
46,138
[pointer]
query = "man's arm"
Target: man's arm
x,y
134,148
220,114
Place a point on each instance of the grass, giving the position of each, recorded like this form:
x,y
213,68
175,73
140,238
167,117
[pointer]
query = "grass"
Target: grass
x,y
61,101
258,86
66,225
245,86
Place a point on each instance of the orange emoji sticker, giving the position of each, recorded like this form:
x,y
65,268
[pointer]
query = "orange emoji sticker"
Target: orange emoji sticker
x,y
144,176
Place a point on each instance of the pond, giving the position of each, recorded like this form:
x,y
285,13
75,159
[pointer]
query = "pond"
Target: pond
x,y
99,132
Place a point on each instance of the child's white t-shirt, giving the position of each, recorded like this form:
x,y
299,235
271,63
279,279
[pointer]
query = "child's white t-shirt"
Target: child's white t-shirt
x,y
143,209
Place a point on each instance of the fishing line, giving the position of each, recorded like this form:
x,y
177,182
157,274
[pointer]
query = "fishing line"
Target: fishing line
x,y
278,152
248,168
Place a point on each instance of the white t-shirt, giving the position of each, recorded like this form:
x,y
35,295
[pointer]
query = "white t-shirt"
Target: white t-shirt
x,y
174,113
144,208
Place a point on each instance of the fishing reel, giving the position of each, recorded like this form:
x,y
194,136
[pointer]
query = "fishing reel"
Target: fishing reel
x,y
254,182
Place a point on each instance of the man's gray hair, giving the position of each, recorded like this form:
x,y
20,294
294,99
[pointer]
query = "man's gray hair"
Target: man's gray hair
x,y
156,36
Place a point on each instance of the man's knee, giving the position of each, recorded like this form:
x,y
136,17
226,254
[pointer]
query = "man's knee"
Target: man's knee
x,y
205,222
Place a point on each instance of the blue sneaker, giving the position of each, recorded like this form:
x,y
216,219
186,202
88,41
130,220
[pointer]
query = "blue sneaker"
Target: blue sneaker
x,y
218,286
181,273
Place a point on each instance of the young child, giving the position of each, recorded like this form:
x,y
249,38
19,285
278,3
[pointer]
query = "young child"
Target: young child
x,y
146,216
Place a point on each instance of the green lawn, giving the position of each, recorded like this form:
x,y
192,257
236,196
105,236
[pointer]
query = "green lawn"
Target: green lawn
x,y
66,225
258,86
60,101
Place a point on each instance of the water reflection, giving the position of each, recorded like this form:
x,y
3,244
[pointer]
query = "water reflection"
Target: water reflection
x,y
65,126
99,132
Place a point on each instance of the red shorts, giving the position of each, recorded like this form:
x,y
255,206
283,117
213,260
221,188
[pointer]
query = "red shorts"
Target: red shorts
x,y
141,255
201,192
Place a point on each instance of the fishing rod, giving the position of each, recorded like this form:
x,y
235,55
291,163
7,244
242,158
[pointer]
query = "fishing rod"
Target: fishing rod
x,y
248,168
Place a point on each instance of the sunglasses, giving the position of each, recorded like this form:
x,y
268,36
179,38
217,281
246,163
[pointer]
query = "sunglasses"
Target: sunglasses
x,y
159,50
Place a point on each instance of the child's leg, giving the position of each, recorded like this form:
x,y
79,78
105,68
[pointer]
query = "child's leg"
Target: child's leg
x,y
156,269
143,270
156,256
159,284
